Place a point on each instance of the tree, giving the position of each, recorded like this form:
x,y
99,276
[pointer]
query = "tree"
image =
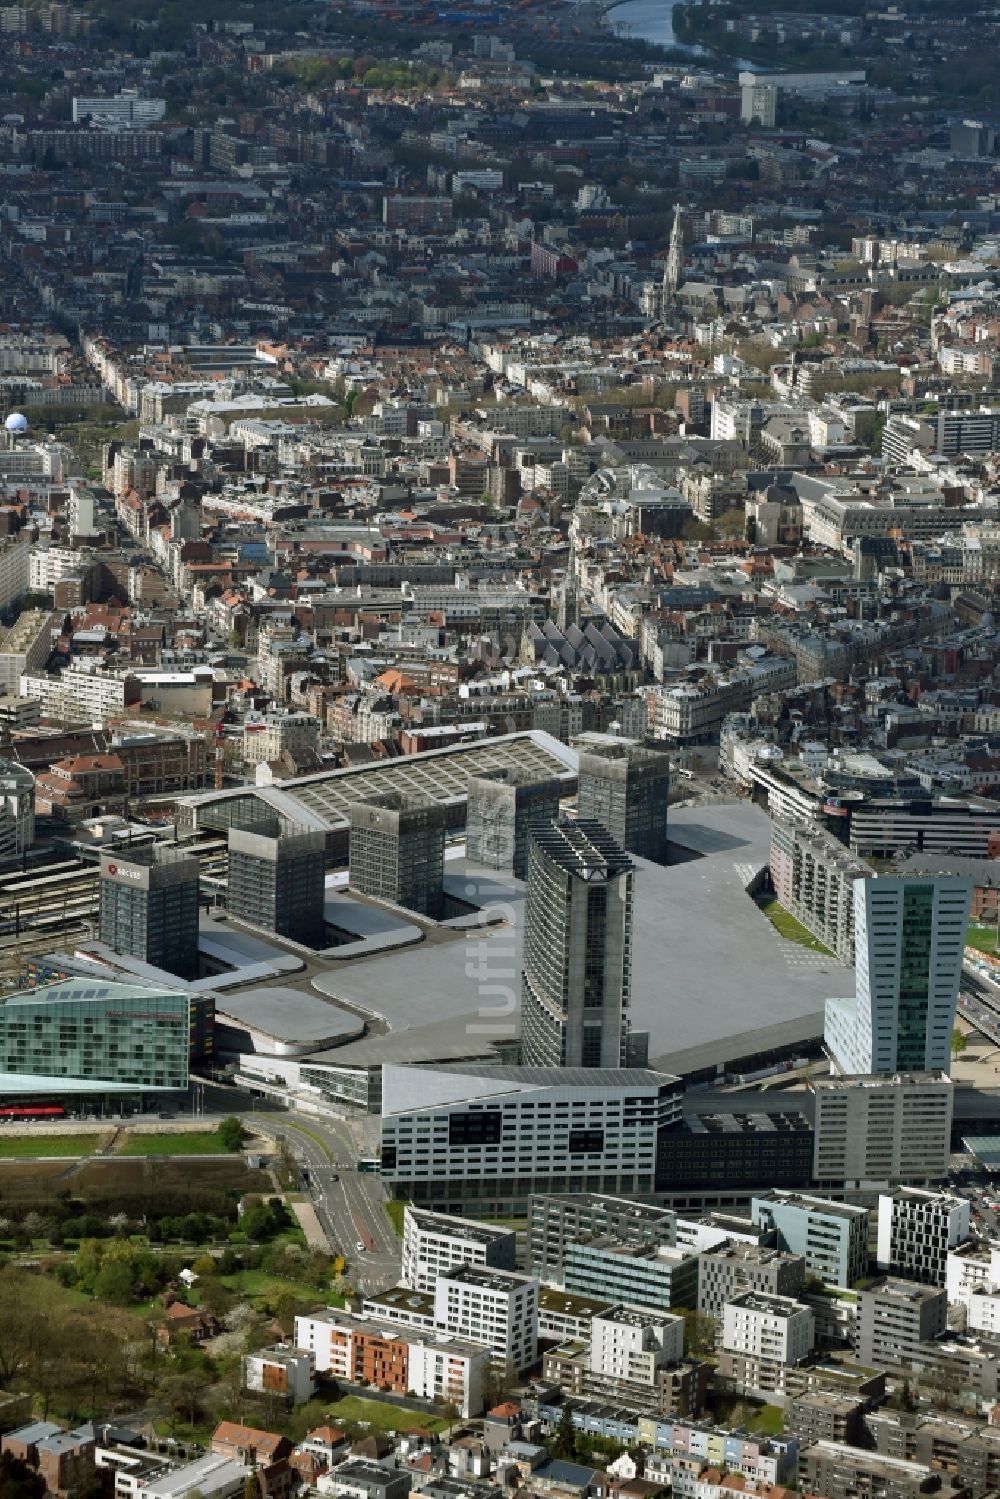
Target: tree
x,y
18,1481
959,1041
251,1487
699,1333
232,1134
115,1282
182,1395
26,1305
564,1441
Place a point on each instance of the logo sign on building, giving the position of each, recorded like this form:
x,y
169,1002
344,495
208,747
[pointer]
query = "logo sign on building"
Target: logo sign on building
x,y
126,872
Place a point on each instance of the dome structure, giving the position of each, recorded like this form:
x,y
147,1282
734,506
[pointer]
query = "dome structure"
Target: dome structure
x,y
16,423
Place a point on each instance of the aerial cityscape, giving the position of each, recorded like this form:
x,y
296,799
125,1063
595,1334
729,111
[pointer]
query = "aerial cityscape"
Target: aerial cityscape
x,y
499,750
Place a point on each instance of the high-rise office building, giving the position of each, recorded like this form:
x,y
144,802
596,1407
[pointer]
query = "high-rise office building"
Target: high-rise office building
x,y
626,788
502,805
397,852
909,938
577,948
276,881
874,1130
149,907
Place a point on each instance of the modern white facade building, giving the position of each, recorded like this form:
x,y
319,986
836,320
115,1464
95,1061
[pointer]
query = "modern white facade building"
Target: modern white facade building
x,y
492,1307
434,1243
916,1230
909,938
628,1343
485,1138
448,1369
774,1329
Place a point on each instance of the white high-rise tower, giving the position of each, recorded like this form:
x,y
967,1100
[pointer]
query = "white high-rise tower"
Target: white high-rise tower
x,y
909,937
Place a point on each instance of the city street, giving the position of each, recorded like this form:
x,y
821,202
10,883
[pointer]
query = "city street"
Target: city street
x,y
350,1205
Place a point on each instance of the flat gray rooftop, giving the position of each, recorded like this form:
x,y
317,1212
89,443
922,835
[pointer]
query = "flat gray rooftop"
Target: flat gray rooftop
x,y
707,965
290,1015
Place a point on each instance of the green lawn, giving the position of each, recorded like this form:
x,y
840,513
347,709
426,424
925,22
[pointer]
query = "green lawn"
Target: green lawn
x,y
792,930
770,1419
262,1284
185,1142
383,1417
984,938
395,1211
31,1147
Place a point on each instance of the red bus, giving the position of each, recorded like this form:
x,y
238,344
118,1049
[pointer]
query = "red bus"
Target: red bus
x,y
32,1111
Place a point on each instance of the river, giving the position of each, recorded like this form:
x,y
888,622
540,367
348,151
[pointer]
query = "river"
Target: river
x,y
653,21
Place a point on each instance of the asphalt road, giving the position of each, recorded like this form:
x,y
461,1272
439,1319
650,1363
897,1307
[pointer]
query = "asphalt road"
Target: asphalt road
x,y
350,1205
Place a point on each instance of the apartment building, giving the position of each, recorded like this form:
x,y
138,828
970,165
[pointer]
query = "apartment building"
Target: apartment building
x,y
916,1231
434,1243
402,1360
833,1468
493,1307
631,1344
831,1237
813,876
734,1270
762,1337
25,648
289,1373
894,1318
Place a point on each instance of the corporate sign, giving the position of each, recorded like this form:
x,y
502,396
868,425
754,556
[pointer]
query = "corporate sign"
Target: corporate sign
x,y
132,874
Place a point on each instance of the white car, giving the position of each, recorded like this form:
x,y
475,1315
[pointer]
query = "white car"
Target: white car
x,y
359,1247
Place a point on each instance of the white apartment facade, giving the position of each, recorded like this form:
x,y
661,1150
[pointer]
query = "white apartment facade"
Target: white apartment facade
x,y
434,1243
493,1307
627,1343
773,1329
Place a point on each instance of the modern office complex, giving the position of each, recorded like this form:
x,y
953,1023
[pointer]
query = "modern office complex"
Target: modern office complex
x,y
502,806
832,1237
872,1130
397,852
483,1139
626,788
434,1243
909,942
916,1229
276,881
884,828
88,1036
149,907
577,948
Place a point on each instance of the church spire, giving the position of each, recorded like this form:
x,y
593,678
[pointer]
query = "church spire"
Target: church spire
x,y
675,257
